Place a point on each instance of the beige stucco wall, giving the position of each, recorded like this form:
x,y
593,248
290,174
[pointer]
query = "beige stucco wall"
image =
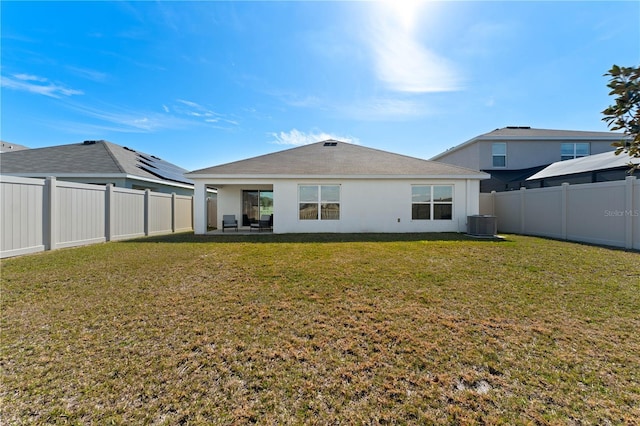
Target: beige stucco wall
x,y
366,205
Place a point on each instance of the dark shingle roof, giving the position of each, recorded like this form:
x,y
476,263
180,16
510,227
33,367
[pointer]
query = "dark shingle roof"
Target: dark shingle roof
x,y
334,158
91,157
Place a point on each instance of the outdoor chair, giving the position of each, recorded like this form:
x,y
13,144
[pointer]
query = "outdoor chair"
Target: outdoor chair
x,y
263,223
229,221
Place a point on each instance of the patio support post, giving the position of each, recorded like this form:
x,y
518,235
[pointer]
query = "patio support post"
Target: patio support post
x,y
200,208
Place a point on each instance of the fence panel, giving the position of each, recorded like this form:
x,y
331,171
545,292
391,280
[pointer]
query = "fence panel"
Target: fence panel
x,y
596,213
486,203
606,213
183,213
22,216
80,214
507,211
127,214
543,212
38,214
160,215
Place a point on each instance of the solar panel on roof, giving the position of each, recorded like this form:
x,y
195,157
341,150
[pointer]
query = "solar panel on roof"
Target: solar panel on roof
x,y
162,169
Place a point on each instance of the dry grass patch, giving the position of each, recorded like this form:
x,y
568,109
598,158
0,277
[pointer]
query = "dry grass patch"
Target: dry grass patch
x,y
322,330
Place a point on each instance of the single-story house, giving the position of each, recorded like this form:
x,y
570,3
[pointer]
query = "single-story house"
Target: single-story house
x,y
336,187
98,162
603,167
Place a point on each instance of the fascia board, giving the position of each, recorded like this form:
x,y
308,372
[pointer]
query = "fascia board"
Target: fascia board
x,y
543,139
269,178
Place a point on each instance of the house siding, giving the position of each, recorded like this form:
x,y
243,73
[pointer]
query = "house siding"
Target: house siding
x,y
467,156
520,154
525,154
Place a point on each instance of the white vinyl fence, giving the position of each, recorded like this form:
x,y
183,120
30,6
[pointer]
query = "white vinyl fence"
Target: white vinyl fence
x,y
46,214
605,213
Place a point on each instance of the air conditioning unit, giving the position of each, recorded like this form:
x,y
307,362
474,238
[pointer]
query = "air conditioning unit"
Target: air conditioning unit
x,y
482,225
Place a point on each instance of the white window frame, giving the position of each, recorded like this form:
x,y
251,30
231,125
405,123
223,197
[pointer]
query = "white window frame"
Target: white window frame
x,y
494,155
574,154
432,202
319,202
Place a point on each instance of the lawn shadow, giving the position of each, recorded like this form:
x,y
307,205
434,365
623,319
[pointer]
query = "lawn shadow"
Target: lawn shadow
x,y
189,237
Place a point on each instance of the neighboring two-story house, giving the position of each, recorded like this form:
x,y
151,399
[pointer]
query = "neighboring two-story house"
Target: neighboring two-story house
x,y
514,153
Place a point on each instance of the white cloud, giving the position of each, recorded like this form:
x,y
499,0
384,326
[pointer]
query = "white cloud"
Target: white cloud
x,y
127,120
29,77
195,110
296,137
38,85
89,74
401,59
165,108
189,103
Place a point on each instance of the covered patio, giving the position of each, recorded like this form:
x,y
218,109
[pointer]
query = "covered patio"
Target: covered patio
x,y
247,202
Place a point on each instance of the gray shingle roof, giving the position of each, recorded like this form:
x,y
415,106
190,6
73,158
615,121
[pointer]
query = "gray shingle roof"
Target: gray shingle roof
x,y
517,132
100,157
334,158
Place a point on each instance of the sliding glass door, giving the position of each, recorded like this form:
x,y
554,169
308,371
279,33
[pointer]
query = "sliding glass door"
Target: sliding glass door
x,y
256,204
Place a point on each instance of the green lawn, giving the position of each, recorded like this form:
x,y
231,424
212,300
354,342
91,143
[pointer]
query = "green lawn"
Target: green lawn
x,y
322,329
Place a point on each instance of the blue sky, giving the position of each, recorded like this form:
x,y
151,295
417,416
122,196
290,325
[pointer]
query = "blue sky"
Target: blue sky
x,y
204,83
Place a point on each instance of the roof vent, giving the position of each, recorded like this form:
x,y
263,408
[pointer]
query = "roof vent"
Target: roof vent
x,y
330,143
518,127
89,142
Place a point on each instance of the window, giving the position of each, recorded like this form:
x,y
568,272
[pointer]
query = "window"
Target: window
x,y
431,202
319,202
569,151
499,154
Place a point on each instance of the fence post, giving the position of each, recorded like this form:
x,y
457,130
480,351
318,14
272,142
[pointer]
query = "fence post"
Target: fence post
x,y
493,202
51,212
173,212
147,211
108,214
628,212
563,209
522,206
